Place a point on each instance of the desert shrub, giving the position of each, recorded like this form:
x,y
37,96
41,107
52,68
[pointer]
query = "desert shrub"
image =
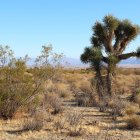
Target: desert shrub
x,y
36,122
50,87
102,105
16,89
53,101
83,100
136,96
130,109
60,123
86,87
117,107
86,96
133,122
62,90
75,133
74,88
30,107
74,120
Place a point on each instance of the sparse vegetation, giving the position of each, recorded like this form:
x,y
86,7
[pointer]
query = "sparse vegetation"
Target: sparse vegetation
x,y
99,102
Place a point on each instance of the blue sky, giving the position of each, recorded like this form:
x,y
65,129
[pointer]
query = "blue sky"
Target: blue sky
x,y
26,25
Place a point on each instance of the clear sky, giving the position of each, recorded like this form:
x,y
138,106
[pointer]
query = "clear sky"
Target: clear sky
x,y
26,25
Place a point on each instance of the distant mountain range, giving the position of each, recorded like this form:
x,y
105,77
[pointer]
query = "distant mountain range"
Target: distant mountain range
x,y
76,63
132,62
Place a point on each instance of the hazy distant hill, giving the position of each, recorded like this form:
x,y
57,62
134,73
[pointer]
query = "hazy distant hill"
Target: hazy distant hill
x,y
132,62
73,62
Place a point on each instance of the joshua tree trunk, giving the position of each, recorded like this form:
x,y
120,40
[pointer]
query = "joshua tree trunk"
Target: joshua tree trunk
x,y
109,82
110,78
99,87
99,84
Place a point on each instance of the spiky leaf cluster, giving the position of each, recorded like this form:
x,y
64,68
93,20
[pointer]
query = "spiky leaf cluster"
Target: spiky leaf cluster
x,y
114,34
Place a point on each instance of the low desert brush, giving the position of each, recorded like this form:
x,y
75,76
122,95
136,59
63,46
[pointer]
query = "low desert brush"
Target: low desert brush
x,y
133,122
36,122
53,101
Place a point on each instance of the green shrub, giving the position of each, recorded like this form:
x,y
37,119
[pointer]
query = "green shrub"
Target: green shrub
x,y
16,89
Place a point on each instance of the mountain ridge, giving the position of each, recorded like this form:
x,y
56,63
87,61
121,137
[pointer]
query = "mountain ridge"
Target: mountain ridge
x,y
75,62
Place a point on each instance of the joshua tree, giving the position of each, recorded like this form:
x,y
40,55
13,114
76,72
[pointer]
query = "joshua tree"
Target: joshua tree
x,y
110,37
93,55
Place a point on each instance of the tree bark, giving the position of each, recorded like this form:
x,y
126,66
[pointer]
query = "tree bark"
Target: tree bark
x,y
99,85
127,55
110,76
109,83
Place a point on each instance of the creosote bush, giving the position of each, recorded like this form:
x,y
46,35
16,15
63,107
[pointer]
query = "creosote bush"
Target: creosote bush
x,y
20,86
16,88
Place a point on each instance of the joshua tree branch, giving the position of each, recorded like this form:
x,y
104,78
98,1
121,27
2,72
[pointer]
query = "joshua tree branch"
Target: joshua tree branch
x,y
127,55
105,59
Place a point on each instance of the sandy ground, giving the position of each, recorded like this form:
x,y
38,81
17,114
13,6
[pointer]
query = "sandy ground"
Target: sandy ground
x,y
94,126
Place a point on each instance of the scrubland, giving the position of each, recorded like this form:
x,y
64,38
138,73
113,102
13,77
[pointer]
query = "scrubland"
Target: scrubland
x,y
50,102
66,107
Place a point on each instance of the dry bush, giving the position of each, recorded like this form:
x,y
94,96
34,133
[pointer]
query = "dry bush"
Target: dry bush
x,y
117,107
130,109
50,86
62,90
60,123
74,120
136,95
86,96
71,122
133,122
75,133
53,101
102,105
74,87
73,82
86,87
83,100
36,122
